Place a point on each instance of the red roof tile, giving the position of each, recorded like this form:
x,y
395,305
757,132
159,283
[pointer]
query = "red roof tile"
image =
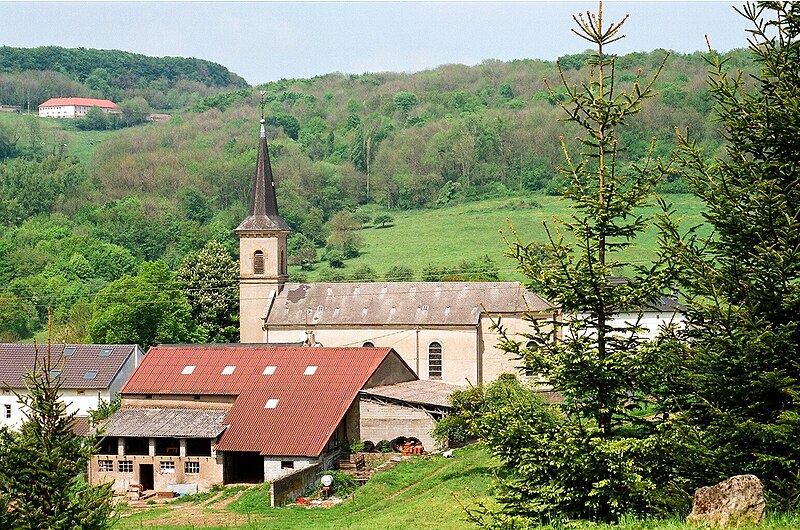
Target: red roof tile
x,y
79,102
309,408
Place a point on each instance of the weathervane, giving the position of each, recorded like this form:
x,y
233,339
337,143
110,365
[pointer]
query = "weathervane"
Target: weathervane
x,y
263,93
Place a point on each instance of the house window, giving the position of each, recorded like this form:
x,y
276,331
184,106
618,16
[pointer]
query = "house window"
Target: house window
x,y
435,360
105,352
166,466
191,468
69,350
368,344
287,464
258,262
105,465
54,374
91,374
125,466
7,412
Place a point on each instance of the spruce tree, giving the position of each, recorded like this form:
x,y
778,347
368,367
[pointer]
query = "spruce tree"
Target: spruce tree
x,y
596,454
740,404
42,465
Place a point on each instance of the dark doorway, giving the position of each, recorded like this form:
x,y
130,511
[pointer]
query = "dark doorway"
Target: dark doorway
x,y
244,467
146,476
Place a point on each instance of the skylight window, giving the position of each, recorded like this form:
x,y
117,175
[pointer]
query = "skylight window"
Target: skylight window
x,y
228,370
188,369
310,370
91,374
54,373
105,352
69,350
269,370
271,403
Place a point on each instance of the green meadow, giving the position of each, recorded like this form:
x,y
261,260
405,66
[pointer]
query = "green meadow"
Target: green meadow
x,y
467,231
421,493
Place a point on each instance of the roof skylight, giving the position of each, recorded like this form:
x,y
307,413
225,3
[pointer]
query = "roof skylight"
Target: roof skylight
x,y
105,352
269,370
91,374
188,369
271,403
310,370
69,350
228,370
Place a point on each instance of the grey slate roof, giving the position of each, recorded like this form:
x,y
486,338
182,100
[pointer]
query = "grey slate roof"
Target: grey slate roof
x,y
166,423
419,392
403,303
17,359
263,203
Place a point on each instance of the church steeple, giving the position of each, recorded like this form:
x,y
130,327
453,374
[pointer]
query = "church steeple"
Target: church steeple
x,y
262,248
263,204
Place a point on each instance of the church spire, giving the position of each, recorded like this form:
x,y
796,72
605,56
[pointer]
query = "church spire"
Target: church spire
x,y
263,204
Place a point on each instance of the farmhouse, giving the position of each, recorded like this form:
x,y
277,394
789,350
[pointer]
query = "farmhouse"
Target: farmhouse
x,y
194,416
442,330
75,107
89,374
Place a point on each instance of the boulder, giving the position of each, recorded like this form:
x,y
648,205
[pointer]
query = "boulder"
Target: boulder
x,y
738,500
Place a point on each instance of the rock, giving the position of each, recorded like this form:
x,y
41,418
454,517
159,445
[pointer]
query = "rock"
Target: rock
x,y
734,501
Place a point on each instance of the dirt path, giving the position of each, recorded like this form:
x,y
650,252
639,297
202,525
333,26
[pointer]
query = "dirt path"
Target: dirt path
x,y
209,512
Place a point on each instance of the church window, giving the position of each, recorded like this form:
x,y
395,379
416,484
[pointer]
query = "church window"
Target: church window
x,y
435,360
367,345
529,371
258,262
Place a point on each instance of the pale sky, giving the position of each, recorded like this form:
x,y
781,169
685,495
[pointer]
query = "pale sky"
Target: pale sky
x,y
267,41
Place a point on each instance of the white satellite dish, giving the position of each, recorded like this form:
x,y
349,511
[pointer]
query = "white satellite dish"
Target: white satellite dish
x,y
326,480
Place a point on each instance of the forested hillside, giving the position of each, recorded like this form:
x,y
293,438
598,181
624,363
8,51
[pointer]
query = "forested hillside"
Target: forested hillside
x,y
33,75
346,151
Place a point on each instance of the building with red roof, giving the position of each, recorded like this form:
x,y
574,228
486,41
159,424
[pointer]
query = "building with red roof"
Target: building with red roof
x,y
194,416
75,107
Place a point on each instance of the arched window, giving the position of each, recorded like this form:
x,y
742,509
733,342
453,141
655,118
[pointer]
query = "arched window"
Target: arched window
x,y
434,360
258,262
368,344
529,371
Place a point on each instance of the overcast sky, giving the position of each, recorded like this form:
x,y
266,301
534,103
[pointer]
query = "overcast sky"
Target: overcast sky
x,y
266,41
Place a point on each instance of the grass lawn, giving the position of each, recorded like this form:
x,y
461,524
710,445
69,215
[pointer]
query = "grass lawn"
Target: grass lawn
x,y
418,494
446,236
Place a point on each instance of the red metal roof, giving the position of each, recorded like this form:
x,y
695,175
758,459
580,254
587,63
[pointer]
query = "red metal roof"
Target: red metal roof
x,y
309,407
79,102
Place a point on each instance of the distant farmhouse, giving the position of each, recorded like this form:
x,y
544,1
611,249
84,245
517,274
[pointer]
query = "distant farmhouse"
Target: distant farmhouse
x,y
442,330
195,416
75,107
89,374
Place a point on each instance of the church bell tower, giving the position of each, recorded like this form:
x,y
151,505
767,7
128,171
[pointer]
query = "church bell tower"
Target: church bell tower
x,y
262,249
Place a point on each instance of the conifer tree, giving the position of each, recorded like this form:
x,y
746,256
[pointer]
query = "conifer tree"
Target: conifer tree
x,y
42,465
740,404
594,455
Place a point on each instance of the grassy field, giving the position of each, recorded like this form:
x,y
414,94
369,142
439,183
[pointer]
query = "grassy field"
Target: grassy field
x,y
446,236
419,494
52,134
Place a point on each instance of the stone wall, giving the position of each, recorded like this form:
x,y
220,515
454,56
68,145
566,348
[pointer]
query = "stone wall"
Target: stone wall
x,y
289,487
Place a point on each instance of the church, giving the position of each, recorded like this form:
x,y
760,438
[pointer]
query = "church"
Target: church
x,y
442,330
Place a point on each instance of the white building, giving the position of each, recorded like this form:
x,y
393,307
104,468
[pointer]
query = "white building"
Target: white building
x,y
89,374
75,107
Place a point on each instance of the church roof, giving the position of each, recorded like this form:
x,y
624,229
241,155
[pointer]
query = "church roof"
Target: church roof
x,y
263,204
400,303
